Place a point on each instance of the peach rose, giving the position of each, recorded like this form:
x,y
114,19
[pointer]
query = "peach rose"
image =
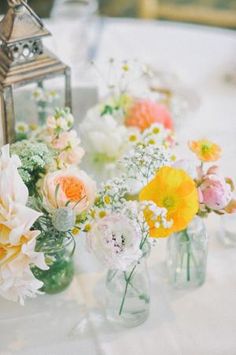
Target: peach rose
x,y
69,186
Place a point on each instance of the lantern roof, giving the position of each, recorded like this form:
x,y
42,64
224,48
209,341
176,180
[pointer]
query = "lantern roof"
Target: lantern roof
x,y
21,23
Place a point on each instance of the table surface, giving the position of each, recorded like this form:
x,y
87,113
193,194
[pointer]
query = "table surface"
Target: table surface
x,y
200,321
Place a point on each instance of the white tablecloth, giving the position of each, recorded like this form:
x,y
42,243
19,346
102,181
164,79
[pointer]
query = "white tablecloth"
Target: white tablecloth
x,y
200,321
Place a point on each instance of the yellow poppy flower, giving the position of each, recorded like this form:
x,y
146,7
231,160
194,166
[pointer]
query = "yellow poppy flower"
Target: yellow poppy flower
x,y
175,190
205,150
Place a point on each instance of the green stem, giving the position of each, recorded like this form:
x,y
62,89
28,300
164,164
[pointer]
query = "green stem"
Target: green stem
x,y
187,239
188,264
128,279
188,256
140,295
131,284
126,289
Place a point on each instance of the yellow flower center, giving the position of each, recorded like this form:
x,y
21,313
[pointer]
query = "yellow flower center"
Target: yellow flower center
x,y
132,138
107,199
93,214
151,141
168,202
156,130
75,231
206,148
21,128
87,228
102,214
125,67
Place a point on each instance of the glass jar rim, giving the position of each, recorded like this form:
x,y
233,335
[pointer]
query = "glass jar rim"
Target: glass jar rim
x,y
52,249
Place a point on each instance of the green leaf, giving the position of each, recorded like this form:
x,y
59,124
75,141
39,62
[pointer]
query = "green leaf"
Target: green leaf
x,y
108,110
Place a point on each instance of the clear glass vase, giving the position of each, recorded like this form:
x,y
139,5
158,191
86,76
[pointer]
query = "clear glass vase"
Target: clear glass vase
x,y
61,267
228,230
127,295
187,255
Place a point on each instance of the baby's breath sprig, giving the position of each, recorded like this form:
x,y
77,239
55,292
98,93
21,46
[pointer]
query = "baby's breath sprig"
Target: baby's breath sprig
x,y
144,160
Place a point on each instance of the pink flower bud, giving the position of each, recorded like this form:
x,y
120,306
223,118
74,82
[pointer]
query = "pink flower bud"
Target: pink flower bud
x,y
216,193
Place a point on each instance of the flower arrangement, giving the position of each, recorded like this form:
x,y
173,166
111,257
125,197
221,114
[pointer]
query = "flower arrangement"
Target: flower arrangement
x,y
59,190
17,239
121,232
215,191
125,110
187,248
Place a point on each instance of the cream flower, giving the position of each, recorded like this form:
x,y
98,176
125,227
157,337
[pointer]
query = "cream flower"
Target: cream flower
x,y
12,188
17,242
16,282
16,278
68,186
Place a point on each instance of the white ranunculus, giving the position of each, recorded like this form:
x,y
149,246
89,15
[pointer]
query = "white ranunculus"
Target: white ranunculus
x,y
115,240
103,134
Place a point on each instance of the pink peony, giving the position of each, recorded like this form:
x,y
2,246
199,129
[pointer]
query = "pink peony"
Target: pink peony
x,y
215,192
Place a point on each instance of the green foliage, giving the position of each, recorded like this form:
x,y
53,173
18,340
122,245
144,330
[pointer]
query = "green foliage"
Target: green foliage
x,y
35,157
50,238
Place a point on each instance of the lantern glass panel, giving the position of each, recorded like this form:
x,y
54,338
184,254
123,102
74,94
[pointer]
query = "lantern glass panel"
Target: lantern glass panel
x,y
33,103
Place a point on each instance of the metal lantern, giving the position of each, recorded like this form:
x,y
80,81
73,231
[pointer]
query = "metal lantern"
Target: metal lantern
x,y
23,61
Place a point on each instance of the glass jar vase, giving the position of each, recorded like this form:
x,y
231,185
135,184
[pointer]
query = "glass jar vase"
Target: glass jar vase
x,y
187,255
228,230
61,267
127,295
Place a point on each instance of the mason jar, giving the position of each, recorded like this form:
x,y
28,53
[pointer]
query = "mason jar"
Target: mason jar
x,y
128,294
61,267
228,230
187,255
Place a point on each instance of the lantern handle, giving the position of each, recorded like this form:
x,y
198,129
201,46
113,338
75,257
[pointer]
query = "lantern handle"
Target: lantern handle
x,y
16,3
